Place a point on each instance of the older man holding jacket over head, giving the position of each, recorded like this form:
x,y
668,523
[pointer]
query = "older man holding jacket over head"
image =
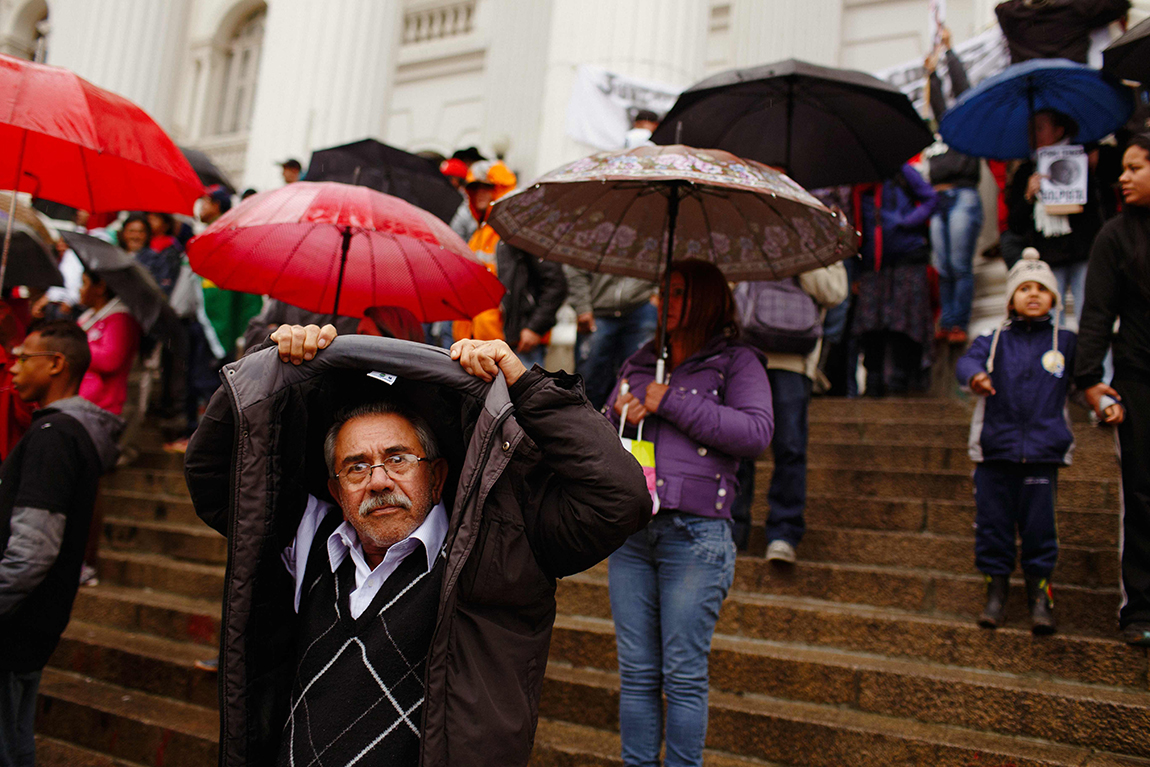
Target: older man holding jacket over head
x,y
408,622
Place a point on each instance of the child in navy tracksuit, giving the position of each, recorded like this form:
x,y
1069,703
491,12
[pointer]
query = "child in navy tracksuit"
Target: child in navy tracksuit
x,y
1019,437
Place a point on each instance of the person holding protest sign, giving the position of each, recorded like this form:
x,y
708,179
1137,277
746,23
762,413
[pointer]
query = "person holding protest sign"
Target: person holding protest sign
x,y
1063,235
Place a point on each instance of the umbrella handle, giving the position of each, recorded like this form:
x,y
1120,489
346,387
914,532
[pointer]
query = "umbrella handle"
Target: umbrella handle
x,y
664,339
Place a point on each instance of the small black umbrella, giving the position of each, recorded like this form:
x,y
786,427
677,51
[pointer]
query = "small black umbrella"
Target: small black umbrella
x,y
389,170
1129,56
132,283
30,260
821,126
208,171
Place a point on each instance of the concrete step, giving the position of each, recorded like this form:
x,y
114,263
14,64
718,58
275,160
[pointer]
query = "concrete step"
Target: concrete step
x,y
954,485
126,724
1097,460
162,481
924,410
901,634
51,752
161,573
137,661
1078,714
169,616
191,542
812,734
146,505
1080,566
153,458
562,744
1096,528
948,431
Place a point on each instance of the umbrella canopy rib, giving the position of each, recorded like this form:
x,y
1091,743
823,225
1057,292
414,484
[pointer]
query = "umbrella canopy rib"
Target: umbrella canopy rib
x,y
622,215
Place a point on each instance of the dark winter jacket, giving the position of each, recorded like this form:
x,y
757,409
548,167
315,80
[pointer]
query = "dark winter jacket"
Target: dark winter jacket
x,y
47,493
539,487
1117,287
535,291
1026,419
1056,251
716,411
1055,29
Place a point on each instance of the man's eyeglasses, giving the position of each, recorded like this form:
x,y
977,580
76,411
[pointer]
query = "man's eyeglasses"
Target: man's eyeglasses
x,y
396,467
23,357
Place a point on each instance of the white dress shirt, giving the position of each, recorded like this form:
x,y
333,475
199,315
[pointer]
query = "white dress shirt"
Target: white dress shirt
x,y
344,541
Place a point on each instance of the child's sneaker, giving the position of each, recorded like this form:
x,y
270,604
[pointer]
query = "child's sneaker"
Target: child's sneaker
x,y
994,614
1041,602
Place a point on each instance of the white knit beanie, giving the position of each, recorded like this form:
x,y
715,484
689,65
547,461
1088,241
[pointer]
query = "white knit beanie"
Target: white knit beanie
x,y
1030,269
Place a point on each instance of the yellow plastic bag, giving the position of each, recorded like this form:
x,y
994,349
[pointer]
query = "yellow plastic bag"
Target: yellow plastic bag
x,y
644,453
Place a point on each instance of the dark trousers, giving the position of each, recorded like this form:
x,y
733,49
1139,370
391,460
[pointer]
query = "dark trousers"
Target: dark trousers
x,y
1012,497
202,372
17,715
892,361
787,495
1134,444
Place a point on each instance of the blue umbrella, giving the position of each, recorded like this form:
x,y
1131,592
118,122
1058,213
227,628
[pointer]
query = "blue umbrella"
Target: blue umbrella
x,y
993,120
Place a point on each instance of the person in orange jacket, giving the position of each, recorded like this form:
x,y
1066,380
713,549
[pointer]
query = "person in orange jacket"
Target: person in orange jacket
x,y
487,181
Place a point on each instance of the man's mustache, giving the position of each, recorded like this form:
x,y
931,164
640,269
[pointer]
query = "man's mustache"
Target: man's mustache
x,y
387,498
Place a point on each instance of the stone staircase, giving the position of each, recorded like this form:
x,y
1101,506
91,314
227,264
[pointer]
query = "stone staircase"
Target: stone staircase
x,y
864,653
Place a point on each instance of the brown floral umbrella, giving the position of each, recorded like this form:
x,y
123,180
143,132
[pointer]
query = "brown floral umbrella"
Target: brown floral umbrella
x,y
633,212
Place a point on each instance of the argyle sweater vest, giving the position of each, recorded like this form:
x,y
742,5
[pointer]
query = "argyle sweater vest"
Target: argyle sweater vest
x,y
357,697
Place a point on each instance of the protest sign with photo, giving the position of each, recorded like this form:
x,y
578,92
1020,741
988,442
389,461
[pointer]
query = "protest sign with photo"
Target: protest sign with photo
x,y
1063,170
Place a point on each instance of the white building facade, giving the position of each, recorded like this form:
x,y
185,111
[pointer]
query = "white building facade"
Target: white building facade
x,y
253,82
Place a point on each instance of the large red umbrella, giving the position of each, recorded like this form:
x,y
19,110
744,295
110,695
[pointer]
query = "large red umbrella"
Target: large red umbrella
x,y
63,139
335,248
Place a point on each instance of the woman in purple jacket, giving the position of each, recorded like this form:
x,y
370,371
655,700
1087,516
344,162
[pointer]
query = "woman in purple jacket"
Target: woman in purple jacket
x,y
669,580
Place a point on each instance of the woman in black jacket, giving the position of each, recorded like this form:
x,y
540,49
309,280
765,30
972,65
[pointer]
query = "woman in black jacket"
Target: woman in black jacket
x,y
1118,288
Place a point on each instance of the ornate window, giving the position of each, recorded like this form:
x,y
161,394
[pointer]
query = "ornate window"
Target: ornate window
x,y
241,66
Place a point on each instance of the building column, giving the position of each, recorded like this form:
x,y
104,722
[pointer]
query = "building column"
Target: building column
x,y
324,80
131,47
659,40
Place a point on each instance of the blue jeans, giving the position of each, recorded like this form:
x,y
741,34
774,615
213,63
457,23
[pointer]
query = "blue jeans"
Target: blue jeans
x,y
1072,276
614,340
17,715
954,232
1013,497
667,584
787,496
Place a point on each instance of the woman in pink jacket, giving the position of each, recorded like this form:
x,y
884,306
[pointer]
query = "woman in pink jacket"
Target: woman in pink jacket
x,y
114,338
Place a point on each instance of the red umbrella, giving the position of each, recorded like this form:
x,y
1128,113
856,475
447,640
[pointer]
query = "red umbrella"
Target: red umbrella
x,y
63,139
331,247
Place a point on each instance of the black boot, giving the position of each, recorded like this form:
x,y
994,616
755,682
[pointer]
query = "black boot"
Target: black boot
x,y
1041,603
994,614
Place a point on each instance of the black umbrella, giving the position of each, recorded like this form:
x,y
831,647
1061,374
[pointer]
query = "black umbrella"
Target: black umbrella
x,y
132,283
1129,56
30,260
821,126
389,170
207,170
